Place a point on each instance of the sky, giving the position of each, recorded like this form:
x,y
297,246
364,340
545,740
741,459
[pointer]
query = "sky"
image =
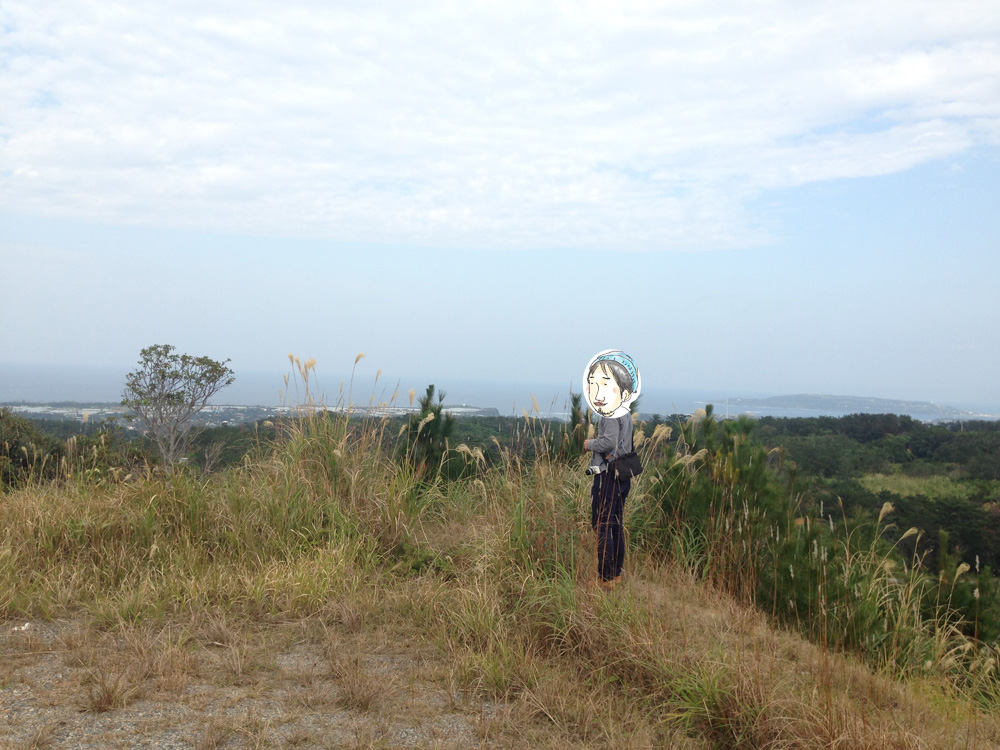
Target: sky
x,y
773,197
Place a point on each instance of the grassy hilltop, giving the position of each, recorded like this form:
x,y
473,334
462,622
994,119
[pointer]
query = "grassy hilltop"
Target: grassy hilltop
x,y
745,621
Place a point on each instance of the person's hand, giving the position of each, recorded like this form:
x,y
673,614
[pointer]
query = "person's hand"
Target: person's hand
x,y
586,447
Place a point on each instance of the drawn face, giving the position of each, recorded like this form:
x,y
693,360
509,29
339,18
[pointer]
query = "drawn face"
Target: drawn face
x,y
608,395
603,392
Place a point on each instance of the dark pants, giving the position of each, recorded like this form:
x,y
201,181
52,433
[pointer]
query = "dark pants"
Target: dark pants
x,y
606,512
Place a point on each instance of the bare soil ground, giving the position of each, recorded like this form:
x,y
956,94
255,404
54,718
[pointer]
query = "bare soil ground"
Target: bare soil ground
x,y
213,685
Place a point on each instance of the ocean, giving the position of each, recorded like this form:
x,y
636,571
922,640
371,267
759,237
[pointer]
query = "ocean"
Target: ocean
x,y
20,383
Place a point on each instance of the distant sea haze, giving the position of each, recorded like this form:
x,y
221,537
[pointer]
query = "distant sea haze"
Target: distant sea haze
x,y
50,384
47,384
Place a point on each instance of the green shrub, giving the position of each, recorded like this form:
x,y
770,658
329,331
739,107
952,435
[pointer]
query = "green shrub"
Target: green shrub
x,y
26,453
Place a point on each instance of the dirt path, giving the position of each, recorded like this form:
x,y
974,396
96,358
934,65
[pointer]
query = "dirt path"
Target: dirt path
x,y
216,686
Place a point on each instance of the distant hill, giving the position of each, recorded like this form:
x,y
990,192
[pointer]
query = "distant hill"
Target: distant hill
x,y
807,405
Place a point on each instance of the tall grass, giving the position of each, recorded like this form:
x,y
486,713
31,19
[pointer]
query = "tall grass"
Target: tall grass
x,y
718,507
524,611
285,531
497,569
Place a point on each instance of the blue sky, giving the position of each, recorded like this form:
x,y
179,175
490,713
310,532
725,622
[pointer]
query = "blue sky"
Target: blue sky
x,y
773,197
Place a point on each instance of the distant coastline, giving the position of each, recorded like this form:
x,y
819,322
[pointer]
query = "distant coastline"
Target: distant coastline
x,y
93,386
807,405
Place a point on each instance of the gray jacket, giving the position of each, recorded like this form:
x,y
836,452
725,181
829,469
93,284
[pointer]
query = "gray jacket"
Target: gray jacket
x,y
614,439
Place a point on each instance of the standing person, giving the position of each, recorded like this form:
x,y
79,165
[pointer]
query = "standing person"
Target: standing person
x,y
611,382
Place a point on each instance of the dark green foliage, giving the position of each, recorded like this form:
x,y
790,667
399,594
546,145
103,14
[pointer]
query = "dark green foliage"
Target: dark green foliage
x,y
728,508
64,429
963,527
975,596
492,435
101,451
574,433
109,454
26,452
427,439
867,428
562,441
860,443
716,485
219,448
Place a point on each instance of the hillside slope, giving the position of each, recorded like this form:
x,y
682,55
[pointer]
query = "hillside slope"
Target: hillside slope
x,y
329,594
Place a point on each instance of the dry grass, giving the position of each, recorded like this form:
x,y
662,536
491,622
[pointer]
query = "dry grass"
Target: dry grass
x,y
359,690
323,596
214,734
301,693
108,690
42,737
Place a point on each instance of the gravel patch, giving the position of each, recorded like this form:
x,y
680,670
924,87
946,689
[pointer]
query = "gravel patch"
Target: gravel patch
x,y
64,686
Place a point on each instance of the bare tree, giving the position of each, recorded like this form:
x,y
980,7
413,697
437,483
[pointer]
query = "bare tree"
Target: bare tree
x,y
165,393
211,456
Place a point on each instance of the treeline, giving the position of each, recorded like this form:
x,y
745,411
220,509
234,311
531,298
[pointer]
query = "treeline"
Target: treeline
x,y
868,443
46,449
826,448
943,479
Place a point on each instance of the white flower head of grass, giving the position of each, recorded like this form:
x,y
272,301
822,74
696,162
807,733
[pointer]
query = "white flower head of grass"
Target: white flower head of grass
x,y
962,569
474,454
424,422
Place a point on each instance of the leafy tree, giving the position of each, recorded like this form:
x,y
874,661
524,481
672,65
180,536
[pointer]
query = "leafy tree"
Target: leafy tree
x,y
165,393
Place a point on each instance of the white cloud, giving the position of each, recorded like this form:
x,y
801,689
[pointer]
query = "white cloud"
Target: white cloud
x,y
634,125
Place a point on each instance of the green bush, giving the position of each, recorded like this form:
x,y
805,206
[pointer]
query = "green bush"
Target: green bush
x,y
26,453
109,454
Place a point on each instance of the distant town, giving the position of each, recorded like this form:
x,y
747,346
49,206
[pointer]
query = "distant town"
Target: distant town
x,y
213,415
224,415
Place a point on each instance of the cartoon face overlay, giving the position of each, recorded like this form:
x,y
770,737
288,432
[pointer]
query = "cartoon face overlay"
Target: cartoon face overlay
x,y
611,381
603,392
